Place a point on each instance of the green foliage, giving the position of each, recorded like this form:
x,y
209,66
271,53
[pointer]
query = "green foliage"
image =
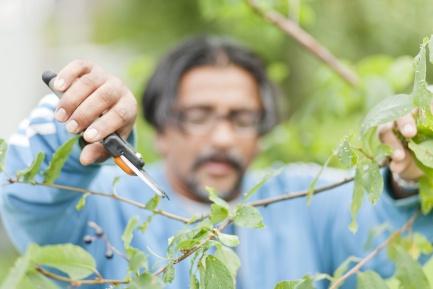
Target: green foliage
x,y
72,260
59,158
408,271
28,174
217,276
370,280
248,217
81,202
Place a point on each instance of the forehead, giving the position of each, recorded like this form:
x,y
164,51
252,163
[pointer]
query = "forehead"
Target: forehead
x,y
230,87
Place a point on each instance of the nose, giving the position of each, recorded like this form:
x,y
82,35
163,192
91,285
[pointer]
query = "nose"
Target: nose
x,y
223,135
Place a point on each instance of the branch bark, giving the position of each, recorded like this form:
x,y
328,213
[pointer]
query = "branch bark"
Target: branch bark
x,y
407,226
77,283
307,41
112,196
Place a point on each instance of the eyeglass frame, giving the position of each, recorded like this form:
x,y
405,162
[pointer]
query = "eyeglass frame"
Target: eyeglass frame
x,y
178,119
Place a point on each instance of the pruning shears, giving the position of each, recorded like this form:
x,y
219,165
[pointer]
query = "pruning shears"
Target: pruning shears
x,y
124,156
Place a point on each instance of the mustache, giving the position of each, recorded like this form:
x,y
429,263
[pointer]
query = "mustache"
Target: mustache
x,y
230,158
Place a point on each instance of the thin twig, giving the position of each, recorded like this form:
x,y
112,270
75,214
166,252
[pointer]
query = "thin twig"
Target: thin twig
x,y
295,195
191,251
77,283
407,226
112,196
307,41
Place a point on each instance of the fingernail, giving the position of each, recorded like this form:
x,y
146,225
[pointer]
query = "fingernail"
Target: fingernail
x,y
408,129
72,126
398,154
60,114
59,83
90,134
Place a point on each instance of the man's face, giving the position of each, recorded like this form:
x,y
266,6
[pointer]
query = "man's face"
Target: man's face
x,y
215,136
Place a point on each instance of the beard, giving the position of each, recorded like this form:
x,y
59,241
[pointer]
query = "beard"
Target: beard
x,y
195,185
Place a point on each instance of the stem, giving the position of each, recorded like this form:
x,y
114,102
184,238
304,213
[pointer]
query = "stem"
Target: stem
x,y
109,195
77,283
295,195
307,41
407,226
211,236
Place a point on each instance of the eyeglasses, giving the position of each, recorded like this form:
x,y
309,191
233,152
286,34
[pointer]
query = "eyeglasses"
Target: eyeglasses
x,y
201,120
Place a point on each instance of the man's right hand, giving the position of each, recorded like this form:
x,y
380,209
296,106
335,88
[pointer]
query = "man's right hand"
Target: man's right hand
x,y
96,103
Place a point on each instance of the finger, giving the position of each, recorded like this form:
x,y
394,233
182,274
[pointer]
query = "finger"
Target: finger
x,y
402,165
387,136
70,72
93,106
92,153
77,93
406,125
121,116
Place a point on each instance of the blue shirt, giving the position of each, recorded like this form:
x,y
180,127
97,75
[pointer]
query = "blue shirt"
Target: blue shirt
x,y
297,239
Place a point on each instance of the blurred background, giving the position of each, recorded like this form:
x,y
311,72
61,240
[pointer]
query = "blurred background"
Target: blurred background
x,y
376,38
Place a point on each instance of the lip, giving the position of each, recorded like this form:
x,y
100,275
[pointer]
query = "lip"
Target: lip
x,y
218,169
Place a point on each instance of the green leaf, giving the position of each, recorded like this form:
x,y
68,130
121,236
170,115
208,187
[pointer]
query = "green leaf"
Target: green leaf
x,y
3,150
357,198
213,196
27,175
137,260
428,270
260,184
35,280
229,240
287,284
193,282
421,95
145,280
18,272
389,109
313,183
228,257
346,155
430,49
371,179
70,259
169,274
129,232
82,202
370,280
218,213
307,282
217,275
248,217
426,194
59,158
408,270
342,268
143,227
153,203
423,152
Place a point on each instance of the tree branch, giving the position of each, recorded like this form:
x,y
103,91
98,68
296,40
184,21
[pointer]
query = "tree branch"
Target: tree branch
x,y
407,226
307,41
112,196
295,195
77,283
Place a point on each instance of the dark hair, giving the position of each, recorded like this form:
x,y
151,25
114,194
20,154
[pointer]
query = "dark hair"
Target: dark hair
x,y
160,94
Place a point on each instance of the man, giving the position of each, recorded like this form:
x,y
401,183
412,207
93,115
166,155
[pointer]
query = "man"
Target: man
x,y
210,101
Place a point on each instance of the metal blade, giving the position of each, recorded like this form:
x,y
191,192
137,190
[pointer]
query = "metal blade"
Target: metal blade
x,y
145,177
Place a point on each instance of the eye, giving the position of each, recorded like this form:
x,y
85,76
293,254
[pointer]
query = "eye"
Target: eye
x,y
245,118
196,115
